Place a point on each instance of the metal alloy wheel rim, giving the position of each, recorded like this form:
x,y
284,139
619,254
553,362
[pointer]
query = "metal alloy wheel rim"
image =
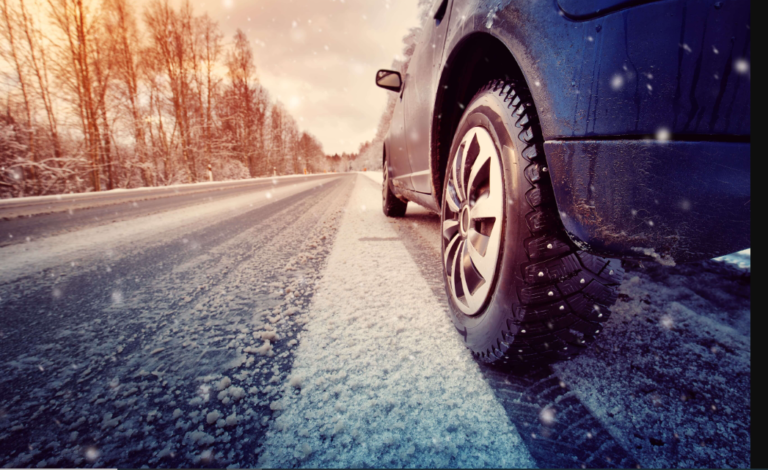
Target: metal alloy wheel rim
x,y
472,219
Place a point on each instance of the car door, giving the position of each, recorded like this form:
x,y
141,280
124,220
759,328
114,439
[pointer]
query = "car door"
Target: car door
x,y
420,81
400,167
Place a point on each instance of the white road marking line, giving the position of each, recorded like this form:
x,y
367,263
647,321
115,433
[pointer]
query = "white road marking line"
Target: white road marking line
x,y
385,379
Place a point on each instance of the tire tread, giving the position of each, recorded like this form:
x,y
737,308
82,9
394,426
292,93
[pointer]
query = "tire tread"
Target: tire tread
x,y
560,315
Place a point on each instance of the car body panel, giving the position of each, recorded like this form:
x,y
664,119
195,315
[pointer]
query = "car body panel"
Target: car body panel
x,y
419,98
685,200
396,149
586,9
571,67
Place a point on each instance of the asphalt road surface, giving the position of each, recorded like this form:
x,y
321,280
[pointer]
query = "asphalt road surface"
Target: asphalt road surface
x,y
285,322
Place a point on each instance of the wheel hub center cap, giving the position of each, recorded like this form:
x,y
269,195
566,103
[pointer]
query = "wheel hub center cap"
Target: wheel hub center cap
x,y
464,221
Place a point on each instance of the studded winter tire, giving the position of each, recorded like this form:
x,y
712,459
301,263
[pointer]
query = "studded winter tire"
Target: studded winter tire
x,y
519,290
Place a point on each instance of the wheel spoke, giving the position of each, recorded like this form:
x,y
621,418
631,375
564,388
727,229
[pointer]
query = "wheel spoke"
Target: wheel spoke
x,y
448,255
470,278
480,171
450,227
484,262
486,207
459,286
473,151
452,198
478,241
456,173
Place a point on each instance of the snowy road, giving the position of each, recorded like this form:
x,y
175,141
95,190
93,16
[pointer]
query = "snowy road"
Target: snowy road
x,y
288,323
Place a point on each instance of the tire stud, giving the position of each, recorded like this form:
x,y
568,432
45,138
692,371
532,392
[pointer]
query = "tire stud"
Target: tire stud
x,y
549,246
597,332
562,307
610,272
519,350
522,331
599,315
544,169
541,273
565,348
551,293
582,281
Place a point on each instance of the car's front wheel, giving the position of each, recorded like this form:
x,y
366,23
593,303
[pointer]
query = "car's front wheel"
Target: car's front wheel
x,y
519,290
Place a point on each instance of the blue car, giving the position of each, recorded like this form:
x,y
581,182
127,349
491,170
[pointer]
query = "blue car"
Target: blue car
x,y
554,136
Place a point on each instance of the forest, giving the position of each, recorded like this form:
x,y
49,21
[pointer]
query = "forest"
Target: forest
x,y
101,96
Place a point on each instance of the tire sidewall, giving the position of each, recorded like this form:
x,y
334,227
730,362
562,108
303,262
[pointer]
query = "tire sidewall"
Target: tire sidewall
x,y
483,330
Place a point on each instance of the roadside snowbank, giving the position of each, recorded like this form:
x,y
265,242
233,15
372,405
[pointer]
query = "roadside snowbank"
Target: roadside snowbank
x,y
380,378
742,259
10,202
375,176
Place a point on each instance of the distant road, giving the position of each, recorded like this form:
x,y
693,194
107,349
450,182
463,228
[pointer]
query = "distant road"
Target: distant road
x,y
67,212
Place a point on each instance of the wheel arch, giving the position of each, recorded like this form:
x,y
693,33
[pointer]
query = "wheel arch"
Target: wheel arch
x,y
486,57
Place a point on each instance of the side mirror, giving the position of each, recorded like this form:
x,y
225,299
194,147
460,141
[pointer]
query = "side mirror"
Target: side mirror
x,y
389,80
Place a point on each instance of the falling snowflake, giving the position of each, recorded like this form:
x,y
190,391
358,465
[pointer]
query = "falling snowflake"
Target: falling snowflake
x,y
91,454
663,134
617,82
547,416
741,66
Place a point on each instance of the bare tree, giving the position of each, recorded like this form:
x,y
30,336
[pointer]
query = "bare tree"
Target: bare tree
x,y
277,144
171,43
39,67
211,50
242,71
10,21
146,95
125,45
76,23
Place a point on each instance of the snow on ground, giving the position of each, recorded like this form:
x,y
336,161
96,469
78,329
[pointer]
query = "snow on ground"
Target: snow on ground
x,y
670,377
139,192
380,377
742,259
27,258
375,176
163,355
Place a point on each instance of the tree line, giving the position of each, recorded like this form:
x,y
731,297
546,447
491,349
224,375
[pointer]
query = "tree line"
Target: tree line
x,y
101,96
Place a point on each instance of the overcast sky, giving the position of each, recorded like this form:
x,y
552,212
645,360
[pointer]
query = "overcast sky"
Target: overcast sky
x,y
319,58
